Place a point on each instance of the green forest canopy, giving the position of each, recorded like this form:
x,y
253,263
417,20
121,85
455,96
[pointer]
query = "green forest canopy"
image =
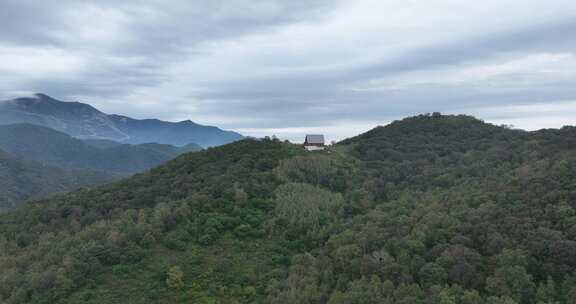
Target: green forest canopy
x,y
430,209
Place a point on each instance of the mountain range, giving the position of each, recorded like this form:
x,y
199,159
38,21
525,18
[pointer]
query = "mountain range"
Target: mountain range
x,y
429,209
86,122
38,161
46,145
50,146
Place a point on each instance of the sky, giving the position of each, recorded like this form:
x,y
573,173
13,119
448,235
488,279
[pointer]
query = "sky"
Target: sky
x,y
291,67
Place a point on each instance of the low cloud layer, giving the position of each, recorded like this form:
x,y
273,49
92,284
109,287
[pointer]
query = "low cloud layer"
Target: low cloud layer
x,y
293,67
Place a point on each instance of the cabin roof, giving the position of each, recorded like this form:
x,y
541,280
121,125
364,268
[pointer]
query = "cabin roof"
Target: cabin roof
x,y
315,139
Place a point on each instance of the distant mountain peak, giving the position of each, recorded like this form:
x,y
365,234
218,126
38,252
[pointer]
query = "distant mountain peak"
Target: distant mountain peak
x,y
86,122
36,98
43,96
188,122
41,101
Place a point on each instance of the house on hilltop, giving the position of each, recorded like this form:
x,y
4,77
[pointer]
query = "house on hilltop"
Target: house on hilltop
x,y
314,142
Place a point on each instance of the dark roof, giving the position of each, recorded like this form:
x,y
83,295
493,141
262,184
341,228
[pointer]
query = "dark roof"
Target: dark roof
x,y
314,139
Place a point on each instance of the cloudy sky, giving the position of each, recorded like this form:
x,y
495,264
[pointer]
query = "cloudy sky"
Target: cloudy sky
x,y
289,67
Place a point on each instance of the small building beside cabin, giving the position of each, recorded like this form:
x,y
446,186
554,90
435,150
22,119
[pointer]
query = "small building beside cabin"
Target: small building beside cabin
x,y
314,142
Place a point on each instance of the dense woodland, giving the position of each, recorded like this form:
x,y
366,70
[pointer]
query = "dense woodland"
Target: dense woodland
x,y
23,179
37,161
49,146
430,209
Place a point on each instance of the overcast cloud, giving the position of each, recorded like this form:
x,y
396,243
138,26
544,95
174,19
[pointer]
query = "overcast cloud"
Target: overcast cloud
x,y
292,67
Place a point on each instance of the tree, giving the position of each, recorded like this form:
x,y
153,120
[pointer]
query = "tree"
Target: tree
x,y
546,292
512,257
500,300
366,291
446,298
148,240
303,284
471,297
569,291
175,278
432,274
303,210
511,281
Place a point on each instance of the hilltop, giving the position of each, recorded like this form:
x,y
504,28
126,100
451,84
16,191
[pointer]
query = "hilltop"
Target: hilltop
x,y
430,209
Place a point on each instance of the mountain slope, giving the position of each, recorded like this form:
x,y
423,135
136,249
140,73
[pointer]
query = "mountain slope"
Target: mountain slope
x,y
22,180
213,179
50,146
431,209
85,122
73,118
177,134
101,143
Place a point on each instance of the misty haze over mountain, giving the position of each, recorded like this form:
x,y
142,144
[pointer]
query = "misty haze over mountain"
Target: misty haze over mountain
x,y
85,122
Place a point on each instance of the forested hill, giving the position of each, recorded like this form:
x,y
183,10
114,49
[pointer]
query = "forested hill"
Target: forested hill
x,y
430,209
40,161
22,179
49,146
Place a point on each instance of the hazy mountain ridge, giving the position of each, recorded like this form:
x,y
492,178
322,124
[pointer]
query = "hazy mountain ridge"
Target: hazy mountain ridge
x,y
53,147
178,134
86,122
73,118
102,143
50,161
